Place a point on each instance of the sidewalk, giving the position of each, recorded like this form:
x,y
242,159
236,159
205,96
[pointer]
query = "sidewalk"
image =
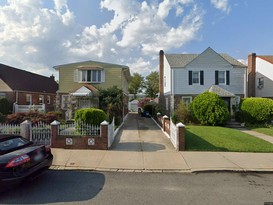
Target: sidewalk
x,y
141,146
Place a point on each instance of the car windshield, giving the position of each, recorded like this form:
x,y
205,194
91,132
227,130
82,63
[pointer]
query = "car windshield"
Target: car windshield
x,y
12,144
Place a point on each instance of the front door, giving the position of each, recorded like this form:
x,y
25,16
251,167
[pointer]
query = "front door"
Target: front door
x,y
227,101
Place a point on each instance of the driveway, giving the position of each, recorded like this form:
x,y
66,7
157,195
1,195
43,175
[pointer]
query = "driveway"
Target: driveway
x,y
141,134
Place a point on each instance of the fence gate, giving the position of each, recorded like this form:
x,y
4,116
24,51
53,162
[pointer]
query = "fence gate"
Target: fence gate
x,y
41,134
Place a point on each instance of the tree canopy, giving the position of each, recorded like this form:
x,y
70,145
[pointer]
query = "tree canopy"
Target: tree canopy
x,y
136,84
152,84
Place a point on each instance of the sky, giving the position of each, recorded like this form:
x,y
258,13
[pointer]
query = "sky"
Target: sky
x,y
36,35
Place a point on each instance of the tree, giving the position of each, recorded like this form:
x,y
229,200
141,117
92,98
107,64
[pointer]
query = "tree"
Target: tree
x,y
136,84
111,101
152,84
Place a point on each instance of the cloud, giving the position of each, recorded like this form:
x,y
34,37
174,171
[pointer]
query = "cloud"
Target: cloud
x,y
221,4
36,38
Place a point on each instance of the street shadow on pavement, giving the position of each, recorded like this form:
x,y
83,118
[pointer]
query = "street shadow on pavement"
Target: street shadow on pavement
x,y
56,186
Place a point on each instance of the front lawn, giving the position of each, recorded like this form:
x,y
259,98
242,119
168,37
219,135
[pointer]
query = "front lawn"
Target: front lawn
x,y
209,138
264,130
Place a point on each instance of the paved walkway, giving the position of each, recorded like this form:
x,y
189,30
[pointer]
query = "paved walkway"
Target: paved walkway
x,y
142,147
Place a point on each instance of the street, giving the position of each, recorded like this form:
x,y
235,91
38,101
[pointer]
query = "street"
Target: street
x,y
84,187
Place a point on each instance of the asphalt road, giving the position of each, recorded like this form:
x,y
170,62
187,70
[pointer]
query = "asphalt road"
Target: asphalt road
x,y
83,187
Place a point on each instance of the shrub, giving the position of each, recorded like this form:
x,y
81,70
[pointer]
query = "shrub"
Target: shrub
x,y
4,106
2,118
150,108
181,113
90,115
257,110
210,109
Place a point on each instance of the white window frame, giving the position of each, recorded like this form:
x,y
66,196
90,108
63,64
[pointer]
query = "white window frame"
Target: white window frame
x,y
184,100
167,103
65,101
41,99
89,75
194,73
48,99
29,99
224,77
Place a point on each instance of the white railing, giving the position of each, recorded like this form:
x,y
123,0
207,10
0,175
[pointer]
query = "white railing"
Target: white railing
x,y
9,129
41,134
173,134
111,133
79,128
28,108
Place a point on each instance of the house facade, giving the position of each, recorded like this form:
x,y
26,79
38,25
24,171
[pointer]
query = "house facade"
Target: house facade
x,y
80,81
184,76
260,75
27,91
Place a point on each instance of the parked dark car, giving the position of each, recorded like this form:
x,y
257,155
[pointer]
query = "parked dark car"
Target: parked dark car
x,y
20,159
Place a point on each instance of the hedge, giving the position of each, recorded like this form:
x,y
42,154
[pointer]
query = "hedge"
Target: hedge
x,y
92,116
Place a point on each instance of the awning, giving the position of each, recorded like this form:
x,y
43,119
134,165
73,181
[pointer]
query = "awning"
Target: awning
x,y
82,92
220,91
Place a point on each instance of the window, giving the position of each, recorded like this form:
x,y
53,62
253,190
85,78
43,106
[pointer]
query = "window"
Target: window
x,y
221,77
29,99
167,103
187,100
84,103
89,76
260,83
65,101
41,99
48,99
196,77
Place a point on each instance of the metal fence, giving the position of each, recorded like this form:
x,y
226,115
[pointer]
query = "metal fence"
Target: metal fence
x,y
79,129
41,133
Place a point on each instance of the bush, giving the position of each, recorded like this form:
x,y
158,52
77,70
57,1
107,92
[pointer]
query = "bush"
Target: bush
x,y
181,114
2,118
257,110
90,115
4,106
210,109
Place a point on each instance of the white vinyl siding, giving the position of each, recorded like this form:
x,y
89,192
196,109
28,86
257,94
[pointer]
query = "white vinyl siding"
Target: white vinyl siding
x,y
167,76
264,75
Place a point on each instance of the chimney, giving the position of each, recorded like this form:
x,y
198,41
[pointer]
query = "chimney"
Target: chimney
x,y
251,74
161,78
52,77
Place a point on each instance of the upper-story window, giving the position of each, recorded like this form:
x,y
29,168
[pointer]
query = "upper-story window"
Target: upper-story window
x,y
221,77
196,77
89,75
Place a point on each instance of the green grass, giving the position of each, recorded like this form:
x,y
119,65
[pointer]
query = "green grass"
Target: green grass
x,y
264,130
209,138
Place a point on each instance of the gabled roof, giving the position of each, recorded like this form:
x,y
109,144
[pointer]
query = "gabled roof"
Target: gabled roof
x,y
83,91
267,58
220,91
22,80
182,60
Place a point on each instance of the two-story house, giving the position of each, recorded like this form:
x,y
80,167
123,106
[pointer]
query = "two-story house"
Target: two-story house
x,y
184,76
80,81
27,91
260,75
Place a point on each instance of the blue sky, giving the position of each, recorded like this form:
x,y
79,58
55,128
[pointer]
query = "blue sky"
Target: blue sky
x,y
36,35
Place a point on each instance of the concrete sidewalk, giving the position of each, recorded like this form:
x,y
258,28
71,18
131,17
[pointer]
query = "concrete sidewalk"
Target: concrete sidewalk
x,y
109,160
141,146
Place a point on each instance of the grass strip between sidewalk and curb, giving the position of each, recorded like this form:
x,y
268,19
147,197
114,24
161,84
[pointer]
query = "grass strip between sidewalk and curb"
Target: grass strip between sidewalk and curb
x,y
213,138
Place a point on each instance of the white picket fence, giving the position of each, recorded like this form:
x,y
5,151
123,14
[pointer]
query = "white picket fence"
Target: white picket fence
x,y
173,134
9,129
111,133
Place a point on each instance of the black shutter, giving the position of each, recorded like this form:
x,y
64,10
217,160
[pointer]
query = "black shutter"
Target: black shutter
x,y
190,77
227,77
201,77
216,77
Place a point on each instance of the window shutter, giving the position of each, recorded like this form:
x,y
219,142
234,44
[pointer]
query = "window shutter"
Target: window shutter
x,y
190,77
227,77
216,77
201,77
76,75
103,76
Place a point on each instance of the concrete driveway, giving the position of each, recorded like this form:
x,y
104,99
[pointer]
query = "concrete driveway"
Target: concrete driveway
x,y
141,134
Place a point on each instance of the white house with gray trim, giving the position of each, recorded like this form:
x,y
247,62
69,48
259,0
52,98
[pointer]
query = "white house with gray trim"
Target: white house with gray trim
x,y
184,76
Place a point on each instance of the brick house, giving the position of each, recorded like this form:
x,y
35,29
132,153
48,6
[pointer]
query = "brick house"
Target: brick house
x,y
26,90
184,76
260,75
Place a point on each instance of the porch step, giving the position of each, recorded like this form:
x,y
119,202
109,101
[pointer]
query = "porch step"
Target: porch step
x,y
233,124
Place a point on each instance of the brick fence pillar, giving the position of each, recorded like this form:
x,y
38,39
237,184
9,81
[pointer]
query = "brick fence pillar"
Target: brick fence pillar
x,y
104,134
165,117
54,132
25,129
181,136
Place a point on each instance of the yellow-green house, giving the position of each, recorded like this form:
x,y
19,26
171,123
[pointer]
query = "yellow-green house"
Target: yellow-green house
x,y
80,81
